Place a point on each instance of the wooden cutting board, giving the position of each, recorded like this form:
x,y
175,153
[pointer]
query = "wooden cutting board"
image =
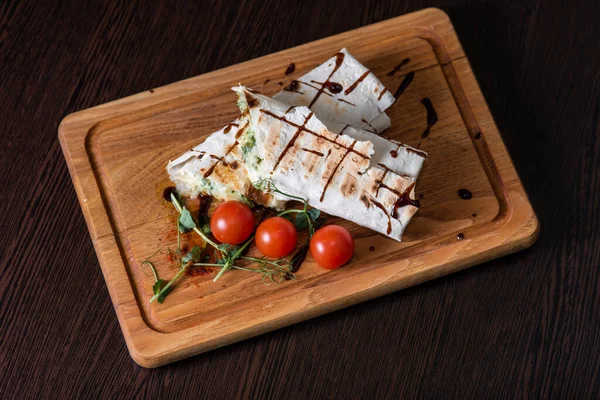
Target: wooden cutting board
x,y
117,153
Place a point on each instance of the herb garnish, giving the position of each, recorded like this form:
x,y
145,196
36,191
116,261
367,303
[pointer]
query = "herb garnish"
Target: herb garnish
x,y
271,271
158,283
305,218
161,288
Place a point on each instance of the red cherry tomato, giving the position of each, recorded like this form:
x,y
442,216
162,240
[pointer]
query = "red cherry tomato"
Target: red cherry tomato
x,y
276,237
232,222
332,246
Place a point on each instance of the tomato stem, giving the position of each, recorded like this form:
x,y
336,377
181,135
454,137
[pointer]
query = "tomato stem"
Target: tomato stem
x,y
289,212
263,260
206,239
198,231
232,267
232,258
221,272
168,285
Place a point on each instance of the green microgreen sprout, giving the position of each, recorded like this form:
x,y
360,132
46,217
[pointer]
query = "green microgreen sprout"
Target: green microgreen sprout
x,y
271,271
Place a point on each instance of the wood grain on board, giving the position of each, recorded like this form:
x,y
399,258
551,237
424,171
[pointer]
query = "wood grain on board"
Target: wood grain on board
x,y
521,326
117,154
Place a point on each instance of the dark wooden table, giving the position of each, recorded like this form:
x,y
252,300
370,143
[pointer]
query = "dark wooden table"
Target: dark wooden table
x,y
526,325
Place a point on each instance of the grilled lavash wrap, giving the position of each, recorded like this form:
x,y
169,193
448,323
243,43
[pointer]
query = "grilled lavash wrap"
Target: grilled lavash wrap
x,y
333,172
216,166
342,92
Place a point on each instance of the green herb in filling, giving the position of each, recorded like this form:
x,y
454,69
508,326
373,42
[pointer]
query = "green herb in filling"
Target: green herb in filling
x,y
206,185
249,144
242,104
246,200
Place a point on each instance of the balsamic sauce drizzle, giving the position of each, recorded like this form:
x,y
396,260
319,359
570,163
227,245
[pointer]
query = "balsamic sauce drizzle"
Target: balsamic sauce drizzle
x,y
241,130
313,151
309,85
305,129
298,259
341,132
343,129
405,200
167,193
465,194
397,67
380,182
293,87
333,87
432,118
371,126
219,159
348,150
394,153
292,141
404,84
382,93
383,185
418,152
229,126
290,69
205,202
339,59
355,84
326,93
379,205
